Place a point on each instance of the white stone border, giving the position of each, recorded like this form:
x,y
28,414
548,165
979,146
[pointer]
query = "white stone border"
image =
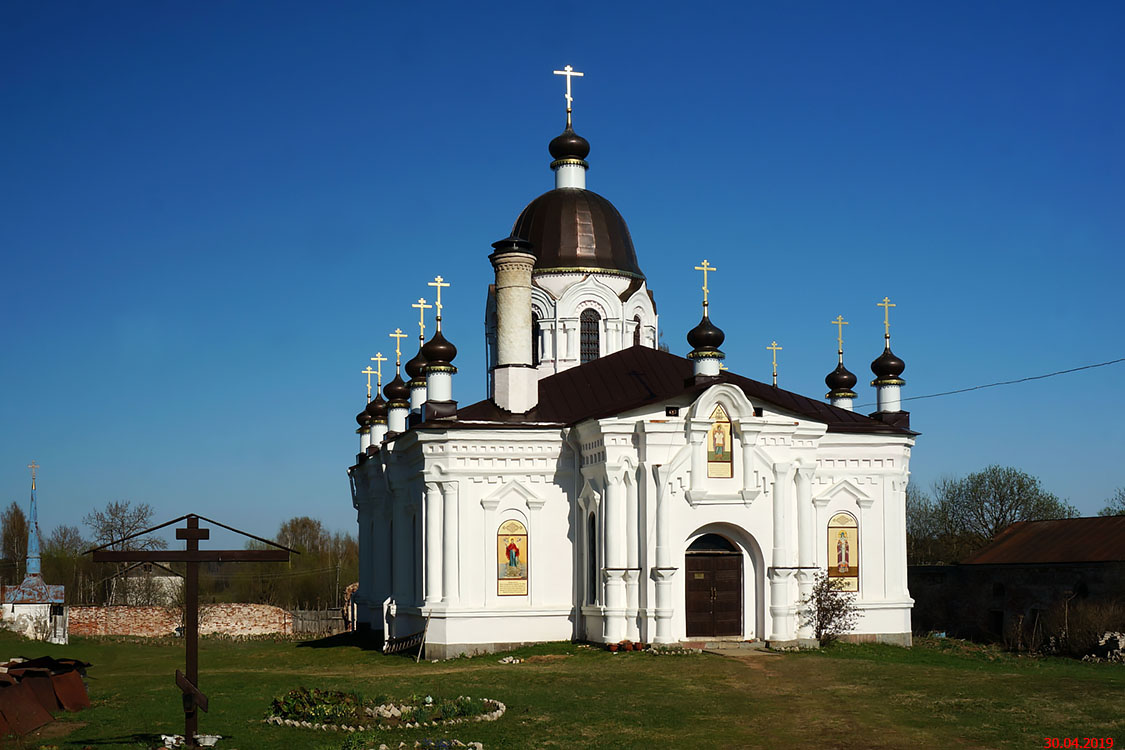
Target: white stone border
x,y
387,711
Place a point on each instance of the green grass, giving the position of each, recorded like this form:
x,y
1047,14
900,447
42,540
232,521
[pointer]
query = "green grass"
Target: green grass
x,y
940,694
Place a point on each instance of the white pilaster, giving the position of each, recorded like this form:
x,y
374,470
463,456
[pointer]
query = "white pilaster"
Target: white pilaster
x,y
632,561
781,604
806,540
431,547
615,556
449,540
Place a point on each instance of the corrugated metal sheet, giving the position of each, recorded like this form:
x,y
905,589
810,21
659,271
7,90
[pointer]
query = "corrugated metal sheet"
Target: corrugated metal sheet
x,y
1071,540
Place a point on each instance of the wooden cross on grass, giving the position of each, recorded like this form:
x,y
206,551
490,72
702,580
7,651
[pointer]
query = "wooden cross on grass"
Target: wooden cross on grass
x,y
192,556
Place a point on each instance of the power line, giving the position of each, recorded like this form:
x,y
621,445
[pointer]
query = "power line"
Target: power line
x,y
1007,382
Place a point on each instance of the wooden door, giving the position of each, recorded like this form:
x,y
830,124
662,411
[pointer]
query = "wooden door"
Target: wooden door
x,y
714,594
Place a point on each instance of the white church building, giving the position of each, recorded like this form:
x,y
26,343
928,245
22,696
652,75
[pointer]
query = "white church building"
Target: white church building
x,y
607,490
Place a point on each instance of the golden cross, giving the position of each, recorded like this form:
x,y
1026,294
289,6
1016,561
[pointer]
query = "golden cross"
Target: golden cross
x,y
438,282
378,359
422,307
705,268
775,349
33,466
886,304
839,322
398,336
368,372
569,72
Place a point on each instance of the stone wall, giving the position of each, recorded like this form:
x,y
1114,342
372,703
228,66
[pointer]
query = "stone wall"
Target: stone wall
x,y
151,622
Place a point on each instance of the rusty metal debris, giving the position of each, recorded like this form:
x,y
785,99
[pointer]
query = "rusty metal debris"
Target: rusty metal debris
x,y
31,690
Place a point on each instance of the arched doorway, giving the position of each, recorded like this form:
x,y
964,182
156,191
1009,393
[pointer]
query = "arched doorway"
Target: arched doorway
x,y
714,587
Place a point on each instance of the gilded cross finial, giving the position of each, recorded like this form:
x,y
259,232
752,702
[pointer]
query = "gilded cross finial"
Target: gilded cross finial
x,y
705,268
569,72
398,336
368,372
886,304
839,322
438,282
378,359
422,307
775,349
33,466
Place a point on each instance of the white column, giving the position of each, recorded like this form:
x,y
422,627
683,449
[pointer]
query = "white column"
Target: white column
x,y
698,458
806,542
431,546
780,605
364,439
396,419
417,398
663,572
888,397
632,561
614,617
449,543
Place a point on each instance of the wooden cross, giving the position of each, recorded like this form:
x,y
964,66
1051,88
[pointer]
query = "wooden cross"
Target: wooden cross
x,y
398,335
33,466
378,359
839,322
422,307
775,349
705,268
569,72
438,282
368,372
191,533
886,304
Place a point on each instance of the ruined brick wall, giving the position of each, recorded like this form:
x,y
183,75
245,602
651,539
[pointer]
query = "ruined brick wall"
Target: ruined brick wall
x,y
151,622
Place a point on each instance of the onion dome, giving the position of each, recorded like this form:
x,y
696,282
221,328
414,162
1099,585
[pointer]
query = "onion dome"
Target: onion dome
x,y
569,145
377,410
396,390
706,336
576,230
887,367
840,382
363,419
414,368
438,351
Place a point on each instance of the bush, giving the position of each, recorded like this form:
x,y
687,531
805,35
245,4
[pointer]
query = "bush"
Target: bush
x,y
828,609
1078,626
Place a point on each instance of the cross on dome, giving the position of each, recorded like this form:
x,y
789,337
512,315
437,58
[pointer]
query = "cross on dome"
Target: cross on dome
x,y
705,268
368,372
33,466
438,282
839,322
398,336
569,72
378,359
775,349
422,307
886,304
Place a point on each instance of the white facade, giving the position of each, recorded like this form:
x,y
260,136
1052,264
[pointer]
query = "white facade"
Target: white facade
x,y
431,502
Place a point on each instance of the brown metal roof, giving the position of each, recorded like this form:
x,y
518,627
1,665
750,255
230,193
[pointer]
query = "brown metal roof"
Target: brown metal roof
x,y
1070,540
640,376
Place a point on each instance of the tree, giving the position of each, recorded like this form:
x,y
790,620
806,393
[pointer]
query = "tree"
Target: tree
x,y
122,519
63,562
828,609
13,543
1115,506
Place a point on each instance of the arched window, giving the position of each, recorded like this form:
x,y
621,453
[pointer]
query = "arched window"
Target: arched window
x,y
535,339
590,339
637,330
591,560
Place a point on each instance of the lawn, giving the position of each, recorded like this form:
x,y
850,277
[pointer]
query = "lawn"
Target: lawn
x,y
940,694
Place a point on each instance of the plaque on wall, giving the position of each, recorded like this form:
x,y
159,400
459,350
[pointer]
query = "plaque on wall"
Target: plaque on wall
x,y
511,559
843,551
720,463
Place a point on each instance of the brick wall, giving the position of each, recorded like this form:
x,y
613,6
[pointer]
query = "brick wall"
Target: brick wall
x,y
150,622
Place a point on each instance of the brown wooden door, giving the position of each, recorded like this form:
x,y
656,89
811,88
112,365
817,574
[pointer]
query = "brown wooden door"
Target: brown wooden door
x,y
714,594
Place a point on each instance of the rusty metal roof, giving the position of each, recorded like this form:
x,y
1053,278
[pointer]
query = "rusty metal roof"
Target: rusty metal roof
x,y
1070,540
640,376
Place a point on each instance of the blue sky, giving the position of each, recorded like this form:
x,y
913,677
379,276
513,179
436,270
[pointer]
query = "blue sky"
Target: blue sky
x,y
212,215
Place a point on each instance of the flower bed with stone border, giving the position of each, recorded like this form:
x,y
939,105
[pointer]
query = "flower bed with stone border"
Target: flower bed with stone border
x,y
337,711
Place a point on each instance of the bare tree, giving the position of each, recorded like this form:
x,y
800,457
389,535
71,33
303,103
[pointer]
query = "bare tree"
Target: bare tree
x,y
829,610
1115,506
121,519
13,542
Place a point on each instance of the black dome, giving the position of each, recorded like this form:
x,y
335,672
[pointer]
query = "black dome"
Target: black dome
x,y
576,229
414,366
439,351
363,419
377,408
396,390
840,379
706,336
887,366
569,145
